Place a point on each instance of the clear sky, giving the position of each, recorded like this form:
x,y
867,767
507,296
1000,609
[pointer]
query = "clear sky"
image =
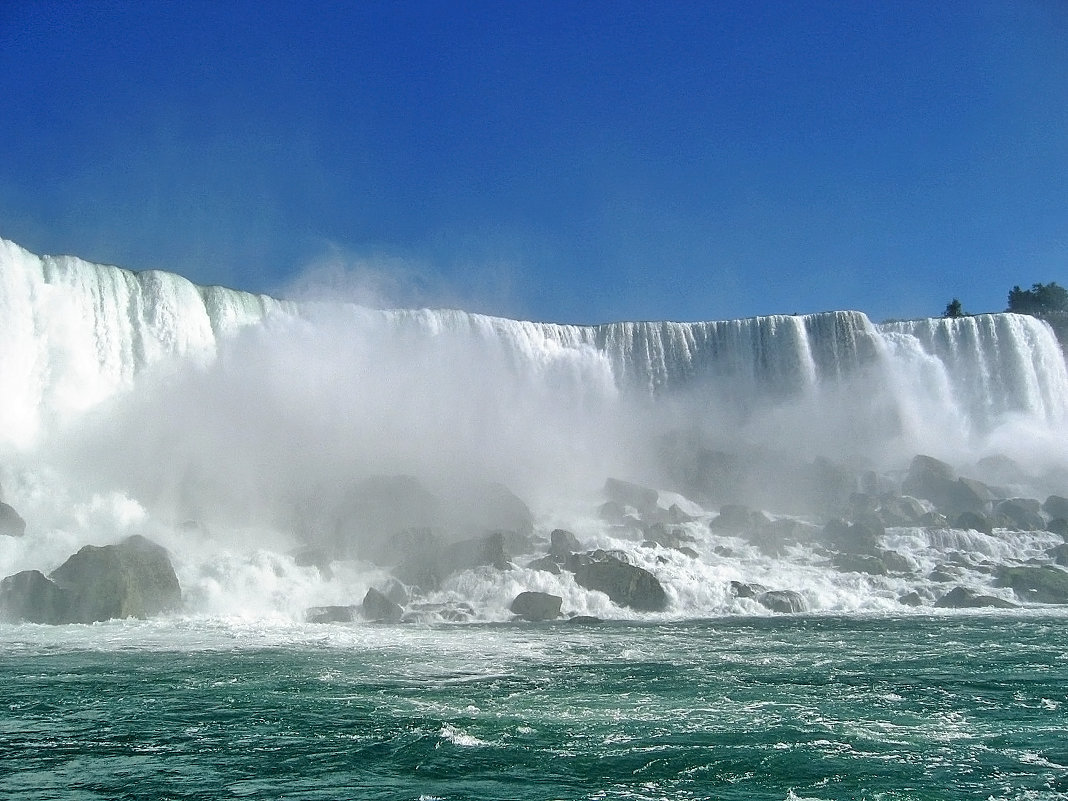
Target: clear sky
x,y
566,161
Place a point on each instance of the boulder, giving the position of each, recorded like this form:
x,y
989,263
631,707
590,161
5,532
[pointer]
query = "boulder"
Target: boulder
x,y
627,585
935,481
624,492
1058,525
32,597
134,578
547,564
1044,584
379,608
974,521
910,599
861,537
330,614
314,556
1022,514
376,510
740,589
563,543
535,606
901,510
612,512
584,620
963,598
1056,506
426,569
11,523
667,535
1059,554
783,601
734,518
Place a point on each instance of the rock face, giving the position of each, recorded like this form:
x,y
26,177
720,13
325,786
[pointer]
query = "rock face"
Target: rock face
x,y
537,606
11,523
134,578
379,608
563,543
626,585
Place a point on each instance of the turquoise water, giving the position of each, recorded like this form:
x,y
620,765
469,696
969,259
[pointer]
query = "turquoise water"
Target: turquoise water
x,y
775,708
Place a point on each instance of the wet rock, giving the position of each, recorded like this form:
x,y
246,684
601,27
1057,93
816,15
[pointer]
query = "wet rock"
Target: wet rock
x,y
734,518
910,599
584,620
783,601
379,608
934,481
612,512
562,543
667,536
134,578
933,520
545,563
1058,525
741,589
537,606
974,521
1056,506
901,510
686,550
439,613
428,568
964,598
331,614
627,585
1059,554
859,563
11,523
32,597
373,513
314,556
1044,584
1022,514
624,492
861,537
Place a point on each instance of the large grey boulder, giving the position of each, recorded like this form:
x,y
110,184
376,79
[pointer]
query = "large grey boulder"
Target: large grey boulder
x,y
643,499
1056,506
562,543
31,596
1044,584
428,567
627,585
974,521
535,606
380,608
735,518
1022,514
134,578
783,601
963,598
11,523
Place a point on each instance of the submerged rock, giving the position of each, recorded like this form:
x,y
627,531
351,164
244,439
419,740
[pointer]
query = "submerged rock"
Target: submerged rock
x,y
964,598
331,614
784,601
627,585
379,608
11,523
536,606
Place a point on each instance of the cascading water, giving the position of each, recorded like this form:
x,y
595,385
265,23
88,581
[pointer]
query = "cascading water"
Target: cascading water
x,y
135,402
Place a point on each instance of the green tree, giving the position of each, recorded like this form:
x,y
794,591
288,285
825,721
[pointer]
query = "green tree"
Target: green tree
x,y
1039,299
953,309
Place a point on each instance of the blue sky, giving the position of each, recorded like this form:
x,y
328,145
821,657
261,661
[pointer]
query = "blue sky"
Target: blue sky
x,y
575,162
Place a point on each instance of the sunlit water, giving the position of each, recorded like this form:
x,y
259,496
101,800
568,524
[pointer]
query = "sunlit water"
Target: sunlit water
x,y
950,707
